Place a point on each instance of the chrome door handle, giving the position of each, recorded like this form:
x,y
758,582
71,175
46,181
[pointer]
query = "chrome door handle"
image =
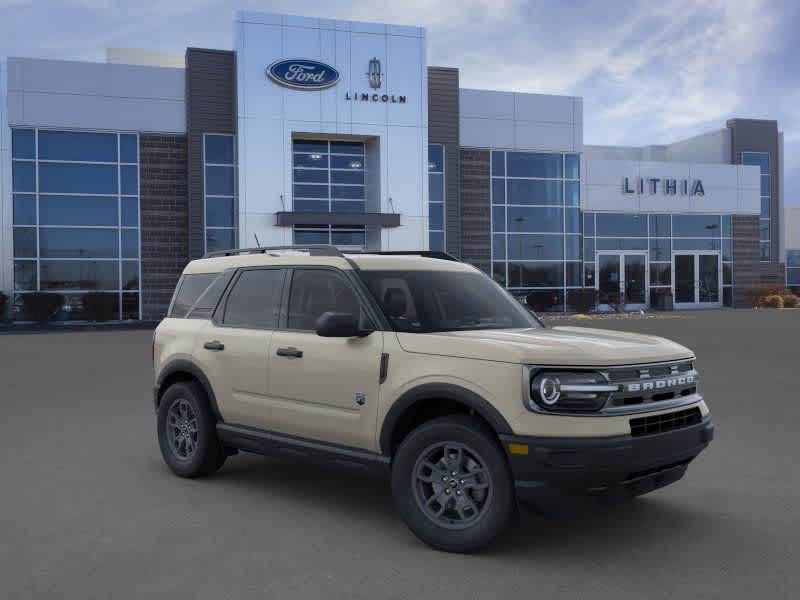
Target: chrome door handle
x,y
216,345
290,352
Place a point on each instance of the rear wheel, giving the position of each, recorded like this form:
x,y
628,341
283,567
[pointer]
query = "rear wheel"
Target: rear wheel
x,y
452,485
187,433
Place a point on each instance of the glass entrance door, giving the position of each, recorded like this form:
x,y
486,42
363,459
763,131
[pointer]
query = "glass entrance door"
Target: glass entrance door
x,y
622,279
697,279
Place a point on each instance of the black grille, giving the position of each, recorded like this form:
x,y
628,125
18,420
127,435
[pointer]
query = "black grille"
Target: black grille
x,y
661,370
666,422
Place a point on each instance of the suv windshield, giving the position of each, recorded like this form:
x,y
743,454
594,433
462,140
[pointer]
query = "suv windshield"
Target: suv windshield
x,y
434,301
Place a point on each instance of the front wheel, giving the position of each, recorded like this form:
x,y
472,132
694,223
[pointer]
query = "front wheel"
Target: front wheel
x,y
452,485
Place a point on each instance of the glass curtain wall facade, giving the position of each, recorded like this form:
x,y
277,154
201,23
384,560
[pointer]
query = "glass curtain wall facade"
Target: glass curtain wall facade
x,y
76,220
793,268
660,236
436,197
328,176
219,166
536,235
761,160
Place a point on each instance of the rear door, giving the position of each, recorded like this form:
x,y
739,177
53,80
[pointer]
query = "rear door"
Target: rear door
x,y
324,388
233,347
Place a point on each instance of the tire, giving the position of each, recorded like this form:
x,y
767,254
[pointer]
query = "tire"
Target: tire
x,y
190,446
480,502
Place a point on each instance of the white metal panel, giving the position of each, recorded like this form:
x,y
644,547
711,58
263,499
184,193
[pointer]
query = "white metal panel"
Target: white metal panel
x,y
301,105
405,78
486,133
404,150
364,47
486,104
543,107
546,136
411,235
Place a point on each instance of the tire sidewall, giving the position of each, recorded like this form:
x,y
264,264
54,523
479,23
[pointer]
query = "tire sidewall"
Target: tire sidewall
x,y
472,434
208,450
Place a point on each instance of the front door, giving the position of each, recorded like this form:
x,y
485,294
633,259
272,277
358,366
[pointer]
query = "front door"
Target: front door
x,y
622,279
320,387
697,279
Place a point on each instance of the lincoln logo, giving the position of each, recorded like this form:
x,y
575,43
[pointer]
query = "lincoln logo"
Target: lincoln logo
x,y
374,74
660,384
301,74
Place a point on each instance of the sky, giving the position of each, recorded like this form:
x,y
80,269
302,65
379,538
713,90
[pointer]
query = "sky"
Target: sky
x,y
649,72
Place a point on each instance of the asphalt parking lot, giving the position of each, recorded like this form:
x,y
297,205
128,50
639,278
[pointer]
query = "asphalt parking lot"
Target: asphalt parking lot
x,y
88,510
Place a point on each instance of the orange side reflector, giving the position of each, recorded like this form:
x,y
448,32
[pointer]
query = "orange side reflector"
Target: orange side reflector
x,y
518,448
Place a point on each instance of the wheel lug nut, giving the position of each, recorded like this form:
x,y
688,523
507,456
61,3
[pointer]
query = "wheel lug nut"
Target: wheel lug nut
x,y
447,491
444,478
458,492
453,473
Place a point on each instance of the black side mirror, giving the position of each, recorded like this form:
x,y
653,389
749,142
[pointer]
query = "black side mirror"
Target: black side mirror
x,y
338,324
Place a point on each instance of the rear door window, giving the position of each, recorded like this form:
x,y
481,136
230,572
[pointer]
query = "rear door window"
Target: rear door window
x,y
190,288
254,300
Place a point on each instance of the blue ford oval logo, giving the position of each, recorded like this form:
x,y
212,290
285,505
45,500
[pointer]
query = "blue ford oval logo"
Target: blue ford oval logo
x,y
303,74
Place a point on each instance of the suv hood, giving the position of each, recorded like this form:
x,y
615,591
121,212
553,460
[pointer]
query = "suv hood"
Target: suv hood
x,y
548,346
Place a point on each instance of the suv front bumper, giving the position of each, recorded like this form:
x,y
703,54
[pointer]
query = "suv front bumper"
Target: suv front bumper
x,y
554,473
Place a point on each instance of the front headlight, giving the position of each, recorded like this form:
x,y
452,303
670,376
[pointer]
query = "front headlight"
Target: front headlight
x,y
574,391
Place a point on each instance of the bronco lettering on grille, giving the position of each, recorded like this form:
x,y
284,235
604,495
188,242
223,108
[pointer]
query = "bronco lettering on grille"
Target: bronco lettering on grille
x,y
659,384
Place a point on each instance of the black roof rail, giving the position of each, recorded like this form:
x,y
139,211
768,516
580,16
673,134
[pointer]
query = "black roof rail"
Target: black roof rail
x,y
423,253
312,249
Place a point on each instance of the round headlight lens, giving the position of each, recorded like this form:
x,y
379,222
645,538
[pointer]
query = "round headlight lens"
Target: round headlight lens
x,y
549,389
570,391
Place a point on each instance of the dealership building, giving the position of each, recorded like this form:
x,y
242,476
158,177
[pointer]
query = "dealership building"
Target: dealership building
x,y
113,175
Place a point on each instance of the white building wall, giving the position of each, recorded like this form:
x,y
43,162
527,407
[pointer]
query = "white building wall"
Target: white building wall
x,y
713,147
6,205
269,115
729,189
519,121
82,95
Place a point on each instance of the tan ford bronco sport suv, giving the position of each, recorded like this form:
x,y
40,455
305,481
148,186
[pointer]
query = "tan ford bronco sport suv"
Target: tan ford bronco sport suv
x,y
422,369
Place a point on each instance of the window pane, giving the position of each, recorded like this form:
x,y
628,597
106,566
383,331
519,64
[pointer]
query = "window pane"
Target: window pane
x,y
498,163
74,145
129,180
695,244
765,208
573,166
696,225
130,243
588,224
347,148
660,274
727,226
311,205
79,275
435,158
765,251
572,190
499,273
545,300
793,277
130,307
621,243
351,176
660,249
316,161
536,274
535,247
315,292
128,149
660,226
572,244
344,162
130,212
498,218
727,273
588,274
191,287
219,149
348,206
310,191
765,185
23,144
350,192
219,181
727,249
312,237
763,229
542,220
436,241
436,216
130,274
521,191
77,179
588,249
255,299
573,274
219,212
347,238
25,275
498,191
25,242
623,225
220,239
793,258
77,210
310,146
23,176
529,164
572,220
499,247
78,243
311,175
24,209
436,187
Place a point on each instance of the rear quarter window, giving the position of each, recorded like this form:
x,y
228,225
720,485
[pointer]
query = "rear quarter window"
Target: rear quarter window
x,y
192,288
